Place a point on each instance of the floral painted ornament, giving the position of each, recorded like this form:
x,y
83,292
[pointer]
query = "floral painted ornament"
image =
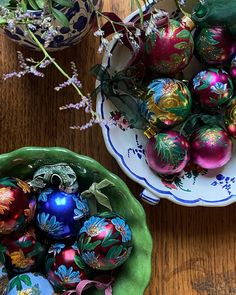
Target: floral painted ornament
x,y
105,241
3,280
59,214
230,118
64,266
29,284
167,103
21,251
213,89
17,205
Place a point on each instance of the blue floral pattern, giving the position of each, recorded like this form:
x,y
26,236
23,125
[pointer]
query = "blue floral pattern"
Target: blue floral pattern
x,y
91,259
158,88
44,195
56,248
81,210
123,228
219,88
225,182
93,226
198,79
49,223
68,275
139,151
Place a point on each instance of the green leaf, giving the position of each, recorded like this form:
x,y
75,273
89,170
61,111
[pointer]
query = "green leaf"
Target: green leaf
x,y
184,34
203,86
24,244
65,3
15,283
33,4
40,3
2,21
79,262
92,246
115,251
60,17
34,252
49,263
26,279
181,45
6,181
109,242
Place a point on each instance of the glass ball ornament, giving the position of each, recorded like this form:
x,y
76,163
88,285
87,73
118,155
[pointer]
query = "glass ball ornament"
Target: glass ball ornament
x,y
213,89
3,279
105,241
230,118
168,152
170,49
211,147
29,283
65,267
17,205
214,45
167,103
233,69
59,214
21,251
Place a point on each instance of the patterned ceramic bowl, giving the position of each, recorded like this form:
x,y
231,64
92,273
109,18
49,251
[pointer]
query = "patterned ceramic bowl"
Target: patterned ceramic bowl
x,y
195,186
81,19
22,163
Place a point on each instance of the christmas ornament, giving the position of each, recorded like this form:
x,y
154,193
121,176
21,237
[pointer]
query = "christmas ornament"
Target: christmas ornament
x,y
21,252
64,266
29,284
59,214
212,88
210,13
168,152
105,241
211,147
214,46
230,118
233,69
17,205
170,49
3,280
168,103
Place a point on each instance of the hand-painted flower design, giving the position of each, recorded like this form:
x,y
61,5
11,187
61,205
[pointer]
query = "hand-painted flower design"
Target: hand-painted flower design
x,y
56,248
44,194
219,88
91,259
23,185
49,223
198,79
159,87
68,275
93,226
75,246
81,210
30,291
19,260
6,199
29,213
123,228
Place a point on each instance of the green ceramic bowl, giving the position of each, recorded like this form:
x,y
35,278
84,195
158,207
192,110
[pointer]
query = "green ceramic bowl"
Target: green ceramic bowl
x,y
133,277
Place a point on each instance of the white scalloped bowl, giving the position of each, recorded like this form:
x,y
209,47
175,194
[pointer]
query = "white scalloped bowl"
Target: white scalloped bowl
x,y
195,187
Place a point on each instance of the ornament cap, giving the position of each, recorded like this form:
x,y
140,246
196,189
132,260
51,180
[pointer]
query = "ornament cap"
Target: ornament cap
x,y
150,132
188,23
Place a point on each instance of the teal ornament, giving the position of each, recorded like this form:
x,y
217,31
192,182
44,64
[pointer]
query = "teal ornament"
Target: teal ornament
x,y
29,283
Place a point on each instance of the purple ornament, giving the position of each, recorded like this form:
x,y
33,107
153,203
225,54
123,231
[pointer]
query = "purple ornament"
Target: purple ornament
x,y
59,214
168,153
213,89
211,147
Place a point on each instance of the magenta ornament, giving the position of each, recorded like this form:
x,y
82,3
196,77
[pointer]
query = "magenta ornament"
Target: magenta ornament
x,y
230,118
233,69
170,49
168,152
214,46
212,88
211,147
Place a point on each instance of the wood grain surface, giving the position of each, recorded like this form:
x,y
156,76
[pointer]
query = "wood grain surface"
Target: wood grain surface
x,y
194,248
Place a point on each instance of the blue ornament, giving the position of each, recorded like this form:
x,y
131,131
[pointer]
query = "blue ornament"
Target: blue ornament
x,y
59,214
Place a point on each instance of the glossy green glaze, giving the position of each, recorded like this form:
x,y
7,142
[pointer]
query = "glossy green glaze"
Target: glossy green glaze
x,y
133,277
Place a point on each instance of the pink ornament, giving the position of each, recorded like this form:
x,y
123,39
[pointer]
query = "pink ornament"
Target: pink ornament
x,y
214,46
211,147
213,89
233,69
169,50
168,153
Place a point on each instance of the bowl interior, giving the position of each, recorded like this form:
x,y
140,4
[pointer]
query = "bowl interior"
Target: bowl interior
x,y
137,271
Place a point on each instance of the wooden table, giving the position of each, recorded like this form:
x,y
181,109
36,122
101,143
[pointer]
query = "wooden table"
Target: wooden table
x,y
194,248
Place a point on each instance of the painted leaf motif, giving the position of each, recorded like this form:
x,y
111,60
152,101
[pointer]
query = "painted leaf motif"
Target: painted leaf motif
x,y
92,246
203,86
49,264
24,244
15,283
79,262
181,45
115,251
184,34
26,279
109,242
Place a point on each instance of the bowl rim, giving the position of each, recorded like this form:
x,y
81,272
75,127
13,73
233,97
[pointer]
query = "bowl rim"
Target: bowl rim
x,y
16,154
150,193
